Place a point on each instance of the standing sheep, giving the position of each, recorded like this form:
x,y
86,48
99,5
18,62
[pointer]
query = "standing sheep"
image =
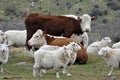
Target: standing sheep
x,y
96,46
56,59
4,54
111,57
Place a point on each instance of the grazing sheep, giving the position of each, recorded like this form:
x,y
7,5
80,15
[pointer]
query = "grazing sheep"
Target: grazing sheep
x,y
16,38
111,57
56,59
4,54
116,45
96,46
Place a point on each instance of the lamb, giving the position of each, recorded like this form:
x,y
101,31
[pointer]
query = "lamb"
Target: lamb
x,y
111,57
56,59
96,46
16,38
116,45
4,54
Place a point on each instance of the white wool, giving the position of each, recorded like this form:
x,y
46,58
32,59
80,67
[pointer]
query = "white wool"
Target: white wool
x,y
2,37
16,38
85,40
116,45
96,46
4,54
111,57
47,59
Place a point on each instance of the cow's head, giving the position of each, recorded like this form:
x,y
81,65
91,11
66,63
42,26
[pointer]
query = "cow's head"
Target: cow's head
x,y
37,39
86,22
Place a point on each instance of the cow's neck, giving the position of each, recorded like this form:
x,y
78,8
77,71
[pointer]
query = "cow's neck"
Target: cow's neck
x,y
48,38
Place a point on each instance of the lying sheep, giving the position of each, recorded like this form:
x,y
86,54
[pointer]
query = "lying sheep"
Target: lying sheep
x,y
96,46
111,57
4,54
16,38
116,45
56,59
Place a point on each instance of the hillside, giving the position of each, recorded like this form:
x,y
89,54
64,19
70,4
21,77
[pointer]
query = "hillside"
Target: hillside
x,y
13,13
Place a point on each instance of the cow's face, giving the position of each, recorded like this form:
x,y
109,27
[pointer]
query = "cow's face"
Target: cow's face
x,y
37,39
86,22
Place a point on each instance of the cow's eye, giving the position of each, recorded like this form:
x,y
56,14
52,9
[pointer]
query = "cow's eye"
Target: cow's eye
x,y
36,36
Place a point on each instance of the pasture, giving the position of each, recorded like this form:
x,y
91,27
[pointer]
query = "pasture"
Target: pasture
x,y
95,69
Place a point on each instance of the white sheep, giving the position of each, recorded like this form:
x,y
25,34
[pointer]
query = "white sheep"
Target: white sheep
x,y
85,40
2,37
116,45
56,59
4,54
96,46
16,38
111,57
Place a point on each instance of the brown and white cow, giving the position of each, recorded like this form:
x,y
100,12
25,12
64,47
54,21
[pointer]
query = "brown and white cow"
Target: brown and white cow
x,y
38,39
56,25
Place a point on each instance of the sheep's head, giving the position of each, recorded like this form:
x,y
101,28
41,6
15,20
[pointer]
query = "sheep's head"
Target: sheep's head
x,y
74,46
105,41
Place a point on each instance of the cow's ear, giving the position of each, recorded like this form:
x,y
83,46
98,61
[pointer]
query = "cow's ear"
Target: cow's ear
x,y
93,18
44,32
79,19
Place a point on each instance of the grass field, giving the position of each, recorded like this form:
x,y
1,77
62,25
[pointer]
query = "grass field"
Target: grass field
x,y
95,69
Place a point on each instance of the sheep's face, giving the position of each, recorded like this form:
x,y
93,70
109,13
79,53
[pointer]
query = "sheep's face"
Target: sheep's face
x,y
37,39
102,51
74,46
3,48
107,39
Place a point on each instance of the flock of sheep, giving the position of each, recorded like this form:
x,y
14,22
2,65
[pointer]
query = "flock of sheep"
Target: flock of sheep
x,y
47,57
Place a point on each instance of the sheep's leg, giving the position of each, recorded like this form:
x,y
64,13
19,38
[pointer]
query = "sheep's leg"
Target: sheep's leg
x,y
110,72
65,68
2,70
57,74
41,71
34,71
